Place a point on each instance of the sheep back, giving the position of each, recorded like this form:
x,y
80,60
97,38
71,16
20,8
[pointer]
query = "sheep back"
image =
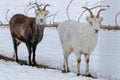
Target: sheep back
x,y
78,37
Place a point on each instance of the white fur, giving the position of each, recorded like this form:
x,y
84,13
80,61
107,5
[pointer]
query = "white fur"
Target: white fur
x,y
41,17
80,38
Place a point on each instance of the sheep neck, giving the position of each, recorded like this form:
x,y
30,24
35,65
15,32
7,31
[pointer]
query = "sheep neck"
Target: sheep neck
x,y
39,29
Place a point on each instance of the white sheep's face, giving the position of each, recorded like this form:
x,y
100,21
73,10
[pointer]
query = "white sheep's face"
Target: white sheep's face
x,y
95,22
41,16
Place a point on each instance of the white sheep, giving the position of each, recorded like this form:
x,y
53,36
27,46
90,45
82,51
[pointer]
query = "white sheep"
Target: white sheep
x,y
80,38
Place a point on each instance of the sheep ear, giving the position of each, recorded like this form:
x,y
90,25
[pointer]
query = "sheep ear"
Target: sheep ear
x,y
47,12
36,12
87,18
101,19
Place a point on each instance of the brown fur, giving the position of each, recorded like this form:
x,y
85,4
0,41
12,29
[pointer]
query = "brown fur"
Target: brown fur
x,y
71,49
17,21
25,29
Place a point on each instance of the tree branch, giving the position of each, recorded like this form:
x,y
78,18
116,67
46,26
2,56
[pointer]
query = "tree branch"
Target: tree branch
x,y
6,16
116,16
68,8
2,24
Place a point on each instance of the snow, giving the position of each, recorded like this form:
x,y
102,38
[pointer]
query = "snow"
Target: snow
x,y
13,71
104,61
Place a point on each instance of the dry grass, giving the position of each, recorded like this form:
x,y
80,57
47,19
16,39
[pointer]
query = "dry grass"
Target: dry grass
x,y
23,62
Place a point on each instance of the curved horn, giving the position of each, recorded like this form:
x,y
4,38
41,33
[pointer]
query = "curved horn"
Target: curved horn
x,y
45,6
91,14
99,12
37,6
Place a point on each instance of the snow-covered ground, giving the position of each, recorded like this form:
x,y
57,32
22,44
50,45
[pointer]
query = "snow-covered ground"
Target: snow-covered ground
x,y
104,60
13,71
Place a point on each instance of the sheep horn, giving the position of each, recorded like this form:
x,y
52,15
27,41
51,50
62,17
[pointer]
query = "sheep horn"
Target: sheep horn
x,y
91,14
99,12
37,6
45,6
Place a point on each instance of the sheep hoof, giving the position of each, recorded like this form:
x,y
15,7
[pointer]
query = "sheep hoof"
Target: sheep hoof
x,y
34,64
13,55
88,75
30,64
17,60
78,74
64,71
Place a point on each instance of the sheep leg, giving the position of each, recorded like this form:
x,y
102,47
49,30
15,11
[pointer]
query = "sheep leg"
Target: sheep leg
x,y
15,49
87,73
30,52
17,46
34,61
78,56
65,64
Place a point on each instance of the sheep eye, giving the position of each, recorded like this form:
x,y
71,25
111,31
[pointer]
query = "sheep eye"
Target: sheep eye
x,y
91,23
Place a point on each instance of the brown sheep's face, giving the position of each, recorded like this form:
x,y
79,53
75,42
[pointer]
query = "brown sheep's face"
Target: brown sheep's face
x,y
41,16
